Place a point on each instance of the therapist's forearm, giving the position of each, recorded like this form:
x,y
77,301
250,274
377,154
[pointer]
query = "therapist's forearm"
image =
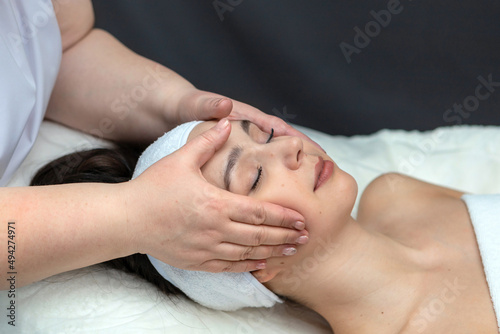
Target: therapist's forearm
x,y
105,89
59,228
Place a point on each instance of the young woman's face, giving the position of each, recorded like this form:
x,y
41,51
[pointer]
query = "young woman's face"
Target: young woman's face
x,y
287,171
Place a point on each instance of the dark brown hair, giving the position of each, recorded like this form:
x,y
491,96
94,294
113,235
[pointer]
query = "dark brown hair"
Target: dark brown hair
x,y
105,166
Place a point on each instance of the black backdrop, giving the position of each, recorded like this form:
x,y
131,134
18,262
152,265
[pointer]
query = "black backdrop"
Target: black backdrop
x,y
415,64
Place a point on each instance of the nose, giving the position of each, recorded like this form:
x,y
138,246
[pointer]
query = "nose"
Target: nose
x,y
291,151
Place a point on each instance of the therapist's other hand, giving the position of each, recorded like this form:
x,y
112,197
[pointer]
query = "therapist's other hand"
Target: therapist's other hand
x,y
191,224
201,105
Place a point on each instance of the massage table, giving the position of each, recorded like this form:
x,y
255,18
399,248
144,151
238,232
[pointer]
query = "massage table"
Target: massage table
x,y
99,300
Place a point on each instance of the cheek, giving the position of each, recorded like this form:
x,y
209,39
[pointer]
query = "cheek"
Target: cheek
x,y
292,194
325,210
326,214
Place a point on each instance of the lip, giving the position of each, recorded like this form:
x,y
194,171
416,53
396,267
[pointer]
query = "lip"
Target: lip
x,y
323,171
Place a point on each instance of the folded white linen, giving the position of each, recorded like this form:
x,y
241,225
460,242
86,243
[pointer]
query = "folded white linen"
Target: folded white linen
x,y
163,146
484,212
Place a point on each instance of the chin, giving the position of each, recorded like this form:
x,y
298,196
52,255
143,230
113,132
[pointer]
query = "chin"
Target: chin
x,y
344,184
345,192
353,188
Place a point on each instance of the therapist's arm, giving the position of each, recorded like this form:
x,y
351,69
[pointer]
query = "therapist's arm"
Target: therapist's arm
x,y
105,89
58,228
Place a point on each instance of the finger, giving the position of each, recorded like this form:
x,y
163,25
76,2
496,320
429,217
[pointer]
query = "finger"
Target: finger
x,y
263,121
250,235
221,108
202,105
250,211
232,252
213,107
217,266
285,129
267,122
203,147
281,128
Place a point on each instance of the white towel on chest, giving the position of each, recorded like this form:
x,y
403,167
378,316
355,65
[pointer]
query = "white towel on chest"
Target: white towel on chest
x,y
484,212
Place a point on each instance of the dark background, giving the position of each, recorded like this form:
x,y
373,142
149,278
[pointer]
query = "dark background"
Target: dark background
x,y
284,57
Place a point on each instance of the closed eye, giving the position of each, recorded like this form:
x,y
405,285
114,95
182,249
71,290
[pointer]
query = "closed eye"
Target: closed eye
x,y
259,169
257,180
270,136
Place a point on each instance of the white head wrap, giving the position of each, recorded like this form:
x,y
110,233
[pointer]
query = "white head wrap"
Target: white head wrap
x,y
221,291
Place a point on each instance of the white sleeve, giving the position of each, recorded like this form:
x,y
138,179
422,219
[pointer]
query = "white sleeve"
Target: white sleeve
x,y
30,56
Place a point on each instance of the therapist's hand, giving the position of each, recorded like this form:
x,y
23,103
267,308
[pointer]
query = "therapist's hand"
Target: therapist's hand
x,y
191,224
201,105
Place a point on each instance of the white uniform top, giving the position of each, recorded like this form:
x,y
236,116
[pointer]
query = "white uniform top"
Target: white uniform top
x,y
30,55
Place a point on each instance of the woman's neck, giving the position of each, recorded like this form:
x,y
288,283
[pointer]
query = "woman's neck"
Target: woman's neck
x,y
361,275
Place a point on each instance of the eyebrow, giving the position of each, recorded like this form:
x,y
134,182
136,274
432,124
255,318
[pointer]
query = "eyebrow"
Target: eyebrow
x,y
234,155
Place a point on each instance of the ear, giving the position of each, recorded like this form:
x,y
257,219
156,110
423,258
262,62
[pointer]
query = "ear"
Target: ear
x,y
264,275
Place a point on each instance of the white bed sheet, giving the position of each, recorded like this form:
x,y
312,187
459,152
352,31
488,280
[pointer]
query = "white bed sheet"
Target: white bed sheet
x,y
93,300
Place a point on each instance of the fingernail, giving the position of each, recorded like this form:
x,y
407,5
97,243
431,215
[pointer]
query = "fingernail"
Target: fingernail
x,y
299,225
223,123
217,102
303,239
289,251
261,265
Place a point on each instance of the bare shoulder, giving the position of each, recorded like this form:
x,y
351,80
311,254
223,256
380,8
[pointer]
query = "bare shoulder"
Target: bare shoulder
x,y
75,19
396,194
